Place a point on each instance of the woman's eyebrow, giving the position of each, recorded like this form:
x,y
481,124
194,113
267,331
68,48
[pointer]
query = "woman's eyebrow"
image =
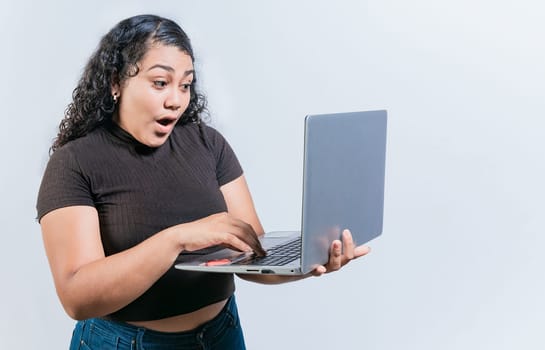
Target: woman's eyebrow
x,y
162,66
170,69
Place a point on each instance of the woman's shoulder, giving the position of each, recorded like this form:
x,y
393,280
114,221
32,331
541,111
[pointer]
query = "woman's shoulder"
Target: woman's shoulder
x,y
88,144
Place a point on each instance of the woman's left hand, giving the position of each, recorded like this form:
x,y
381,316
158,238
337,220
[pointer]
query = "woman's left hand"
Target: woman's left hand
x,y
341,253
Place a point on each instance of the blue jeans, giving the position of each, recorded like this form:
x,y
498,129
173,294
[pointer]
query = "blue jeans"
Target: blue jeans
x,y
222,332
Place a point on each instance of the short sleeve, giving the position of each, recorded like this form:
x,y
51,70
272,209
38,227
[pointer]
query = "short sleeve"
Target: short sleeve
x,y
63,184
227,165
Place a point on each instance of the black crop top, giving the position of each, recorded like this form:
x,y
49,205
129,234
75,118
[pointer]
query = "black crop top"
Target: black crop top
x,y
139,191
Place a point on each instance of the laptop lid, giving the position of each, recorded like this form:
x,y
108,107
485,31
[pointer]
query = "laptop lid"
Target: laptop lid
x,y
343,185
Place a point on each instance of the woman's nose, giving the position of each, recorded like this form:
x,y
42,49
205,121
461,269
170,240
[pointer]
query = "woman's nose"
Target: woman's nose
x,y
173,101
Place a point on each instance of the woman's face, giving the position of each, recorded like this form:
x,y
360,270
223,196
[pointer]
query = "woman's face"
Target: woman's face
x,y
151,102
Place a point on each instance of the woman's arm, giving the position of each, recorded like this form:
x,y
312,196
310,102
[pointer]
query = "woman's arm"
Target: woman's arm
x,y
89,284
240,205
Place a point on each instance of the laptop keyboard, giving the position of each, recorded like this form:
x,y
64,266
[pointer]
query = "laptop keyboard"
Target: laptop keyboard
x,y
281,254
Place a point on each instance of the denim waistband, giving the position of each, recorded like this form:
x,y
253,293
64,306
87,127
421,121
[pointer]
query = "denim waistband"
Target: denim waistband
x,y
135,337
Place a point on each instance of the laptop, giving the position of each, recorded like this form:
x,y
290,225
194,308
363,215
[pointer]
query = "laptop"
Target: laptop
x,y
343,187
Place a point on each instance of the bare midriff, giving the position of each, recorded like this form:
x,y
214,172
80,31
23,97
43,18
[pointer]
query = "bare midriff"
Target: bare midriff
x,y
184,322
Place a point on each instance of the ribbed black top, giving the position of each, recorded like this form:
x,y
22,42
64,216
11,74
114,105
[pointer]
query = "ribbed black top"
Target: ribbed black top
x,y
139,191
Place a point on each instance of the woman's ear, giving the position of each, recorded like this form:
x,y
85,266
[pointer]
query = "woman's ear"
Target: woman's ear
x,y
115,86
116,91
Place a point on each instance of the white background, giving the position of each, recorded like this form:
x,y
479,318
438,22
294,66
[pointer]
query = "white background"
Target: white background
x,y
460,262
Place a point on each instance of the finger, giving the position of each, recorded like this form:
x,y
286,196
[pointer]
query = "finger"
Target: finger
x,y
235,243
318,271
258,248
361,251
254,241
245,232
335,256
348,246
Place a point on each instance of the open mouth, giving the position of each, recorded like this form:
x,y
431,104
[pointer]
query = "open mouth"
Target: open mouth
x,y
166,121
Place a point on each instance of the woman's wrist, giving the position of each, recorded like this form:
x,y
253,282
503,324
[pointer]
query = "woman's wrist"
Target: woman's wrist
x,y
175,236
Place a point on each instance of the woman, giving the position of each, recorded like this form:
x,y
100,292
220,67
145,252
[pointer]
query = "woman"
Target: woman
x,y
134,179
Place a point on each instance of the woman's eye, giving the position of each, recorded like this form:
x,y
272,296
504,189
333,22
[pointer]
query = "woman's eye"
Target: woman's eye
x,y
159,83
186,86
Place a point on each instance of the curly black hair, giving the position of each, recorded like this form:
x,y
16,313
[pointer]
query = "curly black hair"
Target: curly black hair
x,y
114,61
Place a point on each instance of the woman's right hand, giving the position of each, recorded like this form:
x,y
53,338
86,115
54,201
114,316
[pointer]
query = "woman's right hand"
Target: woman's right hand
x,y
221,229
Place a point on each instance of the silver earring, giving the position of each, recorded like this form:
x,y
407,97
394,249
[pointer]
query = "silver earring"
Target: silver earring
x,y
115,98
